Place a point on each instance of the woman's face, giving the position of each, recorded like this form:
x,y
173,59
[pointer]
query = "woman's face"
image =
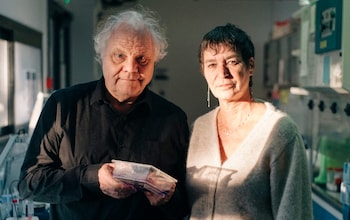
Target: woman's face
x,y
226,74
128,63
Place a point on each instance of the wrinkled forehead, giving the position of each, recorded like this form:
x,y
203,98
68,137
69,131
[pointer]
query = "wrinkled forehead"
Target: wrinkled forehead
x,y
128,37
219,47
135,31
216,48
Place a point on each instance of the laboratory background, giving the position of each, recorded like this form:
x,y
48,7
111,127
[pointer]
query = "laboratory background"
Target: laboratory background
x,y
301,51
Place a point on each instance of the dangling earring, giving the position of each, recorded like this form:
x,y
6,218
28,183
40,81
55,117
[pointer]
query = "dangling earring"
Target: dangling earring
x,y
250,87
208,97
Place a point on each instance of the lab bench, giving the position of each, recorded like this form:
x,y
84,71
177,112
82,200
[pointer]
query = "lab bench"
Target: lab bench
x,y
326,204
11,205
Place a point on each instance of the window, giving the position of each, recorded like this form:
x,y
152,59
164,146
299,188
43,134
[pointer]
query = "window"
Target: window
x,y
4,120
20,74
6,85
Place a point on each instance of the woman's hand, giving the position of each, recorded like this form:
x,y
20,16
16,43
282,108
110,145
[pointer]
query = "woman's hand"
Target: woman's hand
x,y
156,199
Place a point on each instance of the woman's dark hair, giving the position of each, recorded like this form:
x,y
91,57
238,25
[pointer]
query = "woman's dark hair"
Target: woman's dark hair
x,y
230,36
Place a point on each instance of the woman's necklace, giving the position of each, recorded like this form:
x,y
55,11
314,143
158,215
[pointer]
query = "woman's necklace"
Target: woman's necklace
x,y
229,131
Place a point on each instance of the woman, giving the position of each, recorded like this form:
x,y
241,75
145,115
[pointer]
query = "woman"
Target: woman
x,y
246,159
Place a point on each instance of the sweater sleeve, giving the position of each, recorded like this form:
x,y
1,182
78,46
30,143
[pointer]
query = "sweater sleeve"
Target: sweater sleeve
x,y
290,181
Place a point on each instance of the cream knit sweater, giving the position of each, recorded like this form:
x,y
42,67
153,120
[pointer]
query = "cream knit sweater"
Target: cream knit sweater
x,y
266,178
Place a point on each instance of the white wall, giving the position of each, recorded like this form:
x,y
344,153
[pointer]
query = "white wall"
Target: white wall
x,y
82,28
30,13
255,17
186,22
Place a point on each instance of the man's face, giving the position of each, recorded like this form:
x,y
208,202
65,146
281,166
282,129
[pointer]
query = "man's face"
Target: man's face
x,y
128,63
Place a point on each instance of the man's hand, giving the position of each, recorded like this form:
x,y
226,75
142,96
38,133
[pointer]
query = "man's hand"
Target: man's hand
x,y
111,186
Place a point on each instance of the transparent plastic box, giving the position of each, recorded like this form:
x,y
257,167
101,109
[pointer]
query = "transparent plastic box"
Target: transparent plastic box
x,y
143,176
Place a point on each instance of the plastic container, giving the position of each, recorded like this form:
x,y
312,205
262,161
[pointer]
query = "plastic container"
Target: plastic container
x,y
332,153
143,176
334,178
346,173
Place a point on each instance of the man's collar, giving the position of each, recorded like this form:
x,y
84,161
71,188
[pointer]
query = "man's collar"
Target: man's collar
x,y
99,95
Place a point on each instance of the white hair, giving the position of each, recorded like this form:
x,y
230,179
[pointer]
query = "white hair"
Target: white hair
x,y
139,19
